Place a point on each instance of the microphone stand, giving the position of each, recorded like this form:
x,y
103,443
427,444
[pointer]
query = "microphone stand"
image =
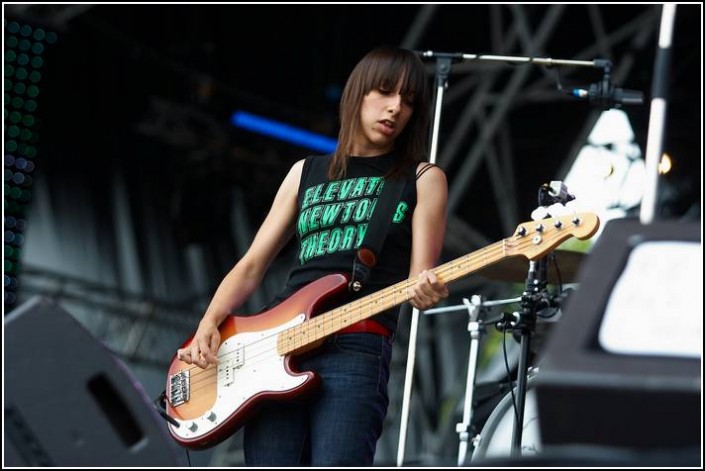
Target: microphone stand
x,y
444,61
533,299
443,66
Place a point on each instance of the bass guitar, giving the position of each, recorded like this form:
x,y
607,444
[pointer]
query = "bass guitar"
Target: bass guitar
x,y
255,354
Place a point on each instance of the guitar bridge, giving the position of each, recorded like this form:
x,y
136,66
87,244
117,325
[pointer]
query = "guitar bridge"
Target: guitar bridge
x,y
179,388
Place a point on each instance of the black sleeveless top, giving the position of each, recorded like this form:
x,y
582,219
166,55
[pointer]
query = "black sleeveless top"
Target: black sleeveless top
x,y
332,221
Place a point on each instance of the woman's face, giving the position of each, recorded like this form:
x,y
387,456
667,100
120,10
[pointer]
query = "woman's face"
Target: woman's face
x,y
383,116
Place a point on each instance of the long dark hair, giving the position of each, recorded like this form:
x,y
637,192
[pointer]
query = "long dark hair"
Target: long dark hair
x,y
383,68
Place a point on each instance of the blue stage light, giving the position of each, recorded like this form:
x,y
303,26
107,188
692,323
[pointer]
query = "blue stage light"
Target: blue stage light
x,y
284,132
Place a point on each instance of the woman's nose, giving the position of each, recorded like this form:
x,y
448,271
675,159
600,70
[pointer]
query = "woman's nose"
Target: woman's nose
x,y
394,104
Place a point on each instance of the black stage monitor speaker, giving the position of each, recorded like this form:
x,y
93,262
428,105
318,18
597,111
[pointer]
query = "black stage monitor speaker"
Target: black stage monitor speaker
x,y
70,402
623,366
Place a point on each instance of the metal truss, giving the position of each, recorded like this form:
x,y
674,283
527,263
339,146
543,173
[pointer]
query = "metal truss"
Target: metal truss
x,y
144,330
489,96
139,329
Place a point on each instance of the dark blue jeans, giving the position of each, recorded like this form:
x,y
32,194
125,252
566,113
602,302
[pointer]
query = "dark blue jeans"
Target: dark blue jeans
x,y
339,424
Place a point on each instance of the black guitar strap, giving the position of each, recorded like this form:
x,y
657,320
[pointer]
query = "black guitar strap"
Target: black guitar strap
x,y
377,229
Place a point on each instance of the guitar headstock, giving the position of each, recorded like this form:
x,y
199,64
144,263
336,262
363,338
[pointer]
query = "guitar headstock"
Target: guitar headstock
x,y
535,239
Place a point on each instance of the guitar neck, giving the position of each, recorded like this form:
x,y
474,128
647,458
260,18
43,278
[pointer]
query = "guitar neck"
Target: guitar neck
x,y
325,324
531,239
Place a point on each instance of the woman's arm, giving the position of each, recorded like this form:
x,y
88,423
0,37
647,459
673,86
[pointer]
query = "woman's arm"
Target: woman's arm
x,y
246,275
428,227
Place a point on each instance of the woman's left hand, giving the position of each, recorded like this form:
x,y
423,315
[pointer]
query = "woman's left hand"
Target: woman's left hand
x,y
427,291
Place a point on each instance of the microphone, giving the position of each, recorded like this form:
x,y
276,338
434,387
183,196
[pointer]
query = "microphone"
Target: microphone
x,y
628,97
611,98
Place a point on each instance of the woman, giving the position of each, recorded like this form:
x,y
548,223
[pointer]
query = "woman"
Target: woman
x,y
328,201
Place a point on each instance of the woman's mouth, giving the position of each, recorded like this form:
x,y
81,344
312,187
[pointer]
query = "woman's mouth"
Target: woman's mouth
x,y
387,126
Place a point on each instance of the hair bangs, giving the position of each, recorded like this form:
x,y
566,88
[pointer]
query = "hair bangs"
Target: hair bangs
x,y
388,71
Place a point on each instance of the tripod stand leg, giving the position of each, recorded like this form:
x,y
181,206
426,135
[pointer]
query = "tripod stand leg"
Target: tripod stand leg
x,y
463,428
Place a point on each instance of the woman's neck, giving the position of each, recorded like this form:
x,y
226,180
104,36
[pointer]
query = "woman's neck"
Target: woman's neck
x,y
371,152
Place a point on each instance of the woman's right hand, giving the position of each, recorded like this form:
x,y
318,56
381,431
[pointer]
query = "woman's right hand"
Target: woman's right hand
x,y
203,349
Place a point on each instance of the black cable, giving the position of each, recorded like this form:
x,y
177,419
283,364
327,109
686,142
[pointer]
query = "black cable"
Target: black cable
x,y
160,407
509,373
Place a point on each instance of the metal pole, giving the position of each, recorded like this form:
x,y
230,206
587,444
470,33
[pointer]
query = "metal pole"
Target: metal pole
x,y
443,66
657,114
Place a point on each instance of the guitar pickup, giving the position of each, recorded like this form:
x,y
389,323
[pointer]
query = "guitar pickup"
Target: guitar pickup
x,y
180,388
227,368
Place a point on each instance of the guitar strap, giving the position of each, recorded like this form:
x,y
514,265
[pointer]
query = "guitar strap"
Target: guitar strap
x,y
377,229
